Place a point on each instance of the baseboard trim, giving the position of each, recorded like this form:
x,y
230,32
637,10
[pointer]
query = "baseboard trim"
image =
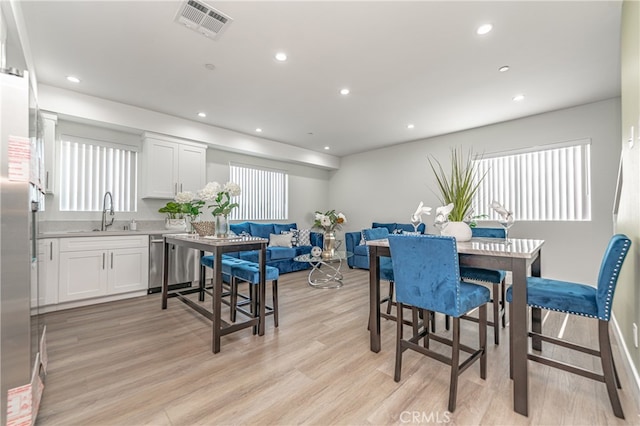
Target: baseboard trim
x,y
627,357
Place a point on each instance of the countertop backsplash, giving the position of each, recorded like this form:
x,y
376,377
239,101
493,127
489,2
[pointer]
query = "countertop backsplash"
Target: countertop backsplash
x,y
90,225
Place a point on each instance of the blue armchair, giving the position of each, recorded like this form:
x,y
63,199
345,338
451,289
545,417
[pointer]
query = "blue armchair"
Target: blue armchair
x,y
427,276
355,241
586,301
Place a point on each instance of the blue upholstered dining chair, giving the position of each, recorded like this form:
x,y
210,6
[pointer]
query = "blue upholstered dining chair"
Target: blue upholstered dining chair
x,y
427,276
492,276
583,300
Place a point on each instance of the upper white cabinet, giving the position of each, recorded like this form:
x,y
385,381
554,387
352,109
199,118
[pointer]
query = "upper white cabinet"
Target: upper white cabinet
x,y
49,123
172,165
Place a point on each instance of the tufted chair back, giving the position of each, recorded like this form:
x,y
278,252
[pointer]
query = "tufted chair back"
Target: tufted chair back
x,y
427,272
609,271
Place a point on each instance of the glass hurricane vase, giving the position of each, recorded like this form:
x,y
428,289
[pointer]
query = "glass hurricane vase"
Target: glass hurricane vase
x,y
222,225
328,245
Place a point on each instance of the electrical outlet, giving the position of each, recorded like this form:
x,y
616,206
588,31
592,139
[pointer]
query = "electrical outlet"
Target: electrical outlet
x,y
635,334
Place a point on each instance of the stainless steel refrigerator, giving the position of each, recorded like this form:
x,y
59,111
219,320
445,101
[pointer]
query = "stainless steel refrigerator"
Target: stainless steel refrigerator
x,y
19,202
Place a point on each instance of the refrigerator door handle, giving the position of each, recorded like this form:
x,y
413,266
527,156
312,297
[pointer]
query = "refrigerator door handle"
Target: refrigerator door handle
x,y
111,260
103,258
50,250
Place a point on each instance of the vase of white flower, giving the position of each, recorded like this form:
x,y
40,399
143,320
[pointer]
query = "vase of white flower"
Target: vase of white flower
x,y
222,225
220,197
328,245
329,222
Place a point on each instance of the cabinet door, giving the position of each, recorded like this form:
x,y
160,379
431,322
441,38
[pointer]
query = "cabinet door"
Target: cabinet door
x,y
47,272
83,274
128,270
49,137
192,168
161,169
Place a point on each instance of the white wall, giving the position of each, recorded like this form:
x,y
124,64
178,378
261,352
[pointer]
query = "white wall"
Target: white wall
x,y
387,184
308,186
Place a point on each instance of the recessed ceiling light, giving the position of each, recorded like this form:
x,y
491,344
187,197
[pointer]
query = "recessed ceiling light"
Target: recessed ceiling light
x,y
484,29
259,130
327,148
202,114
410,126
518,98
281,56
504,68
344,91
73,79
210,67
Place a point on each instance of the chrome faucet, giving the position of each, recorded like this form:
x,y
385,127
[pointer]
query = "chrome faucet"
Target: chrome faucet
x,y
105,225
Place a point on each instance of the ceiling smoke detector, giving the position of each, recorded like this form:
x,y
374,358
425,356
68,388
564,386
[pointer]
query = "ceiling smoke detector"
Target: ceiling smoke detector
x,y
202,18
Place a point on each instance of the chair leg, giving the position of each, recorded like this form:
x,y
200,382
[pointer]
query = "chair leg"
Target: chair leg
x,y
400,308
433,321
536,327
503,303
234,299
446,322
482,333
511,344
607,367
390,301
414,320
274,290
496,313
427,317
455,364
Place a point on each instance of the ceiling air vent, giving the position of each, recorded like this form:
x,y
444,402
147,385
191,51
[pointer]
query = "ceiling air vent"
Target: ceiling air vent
x,y
202,18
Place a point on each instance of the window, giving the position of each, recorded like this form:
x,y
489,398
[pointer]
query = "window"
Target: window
x,y
264,193
89,168
553,183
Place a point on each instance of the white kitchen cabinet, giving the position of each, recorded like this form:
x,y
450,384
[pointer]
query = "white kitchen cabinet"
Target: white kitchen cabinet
x,y
101,266
172,165
45,291
49,122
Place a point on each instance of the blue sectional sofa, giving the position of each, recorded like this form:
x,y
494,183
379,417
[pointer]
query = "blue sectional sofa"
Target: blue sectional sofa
x,y
279,257
355,240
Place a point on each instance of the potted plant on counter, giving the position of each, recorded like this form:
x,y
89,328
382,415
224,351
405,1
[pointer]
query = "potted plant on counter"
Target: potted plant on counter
x,y
457,186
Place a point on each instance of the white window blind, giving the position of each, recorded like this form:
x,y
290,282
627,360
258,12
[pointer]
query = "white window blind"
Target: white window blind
x,y
264,193
88,170
547,184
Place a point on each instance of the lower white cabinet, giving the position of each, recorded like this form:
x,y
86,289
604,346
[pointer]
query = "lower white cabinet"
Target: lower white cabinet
x,y
46,290
100,266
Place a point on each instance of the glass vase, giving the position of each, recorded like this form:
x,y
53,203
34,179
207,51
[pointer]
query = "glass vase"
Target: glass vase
x,y
328,245
222,225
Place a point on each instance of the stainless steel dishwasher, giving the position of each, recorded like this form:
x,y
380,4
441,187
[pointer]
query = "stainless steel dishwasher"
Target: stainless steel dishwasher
x,y
182,265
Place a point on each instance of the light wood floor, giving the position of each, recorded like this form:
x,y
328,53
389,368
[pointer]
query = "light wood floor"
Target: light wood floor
x,y
131,363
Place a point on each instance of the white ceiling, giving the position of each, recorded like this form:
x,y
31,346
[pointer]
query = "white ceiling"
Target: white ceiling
x,y
416,62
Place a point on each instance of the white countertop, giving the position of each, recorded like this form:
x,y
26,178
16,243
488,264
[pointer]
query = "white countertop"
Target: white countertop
x,y
114,233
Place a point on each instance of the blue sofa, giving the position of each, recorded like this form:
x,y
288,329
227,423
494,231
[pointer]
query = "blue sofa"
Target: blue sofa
x,y
279,257
355,240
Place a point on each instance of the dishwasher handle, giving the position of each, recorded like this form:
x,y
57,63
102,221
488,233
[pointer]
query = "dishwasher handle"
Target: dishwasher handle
x,y
157,241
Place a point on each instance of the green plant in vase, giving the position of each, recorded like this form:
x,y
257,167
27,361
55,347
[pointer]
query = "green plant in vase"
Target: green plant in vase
x,y
457,185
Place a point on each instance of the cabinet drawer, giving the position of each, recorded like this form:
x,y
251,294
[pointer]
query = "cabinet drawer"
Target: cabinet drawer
x,y
102,243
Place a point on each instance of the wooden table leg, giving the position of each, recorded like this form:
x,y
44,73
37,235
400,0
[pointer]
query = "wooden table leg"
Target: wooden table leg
x,y
216,300
519,331
262,288
165,274
374,297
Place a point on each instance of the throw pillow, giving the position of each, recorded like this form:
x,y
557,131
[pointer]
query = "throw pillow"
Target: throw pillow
x,y
304,237
294,236
363,240
244,234
280,240
411,233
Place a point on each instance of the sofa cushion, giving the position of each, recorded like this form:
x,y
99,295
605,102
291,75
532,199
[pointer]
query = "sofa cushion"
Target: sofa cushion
x,y
390,226
241,227
262,230
278,253
280,240
362,250
252,256
304,237
375,233
279,228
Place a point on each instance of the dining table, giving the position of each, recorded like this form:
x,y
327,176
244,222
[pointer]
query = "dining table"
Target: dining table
x,y
520,256
216,246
